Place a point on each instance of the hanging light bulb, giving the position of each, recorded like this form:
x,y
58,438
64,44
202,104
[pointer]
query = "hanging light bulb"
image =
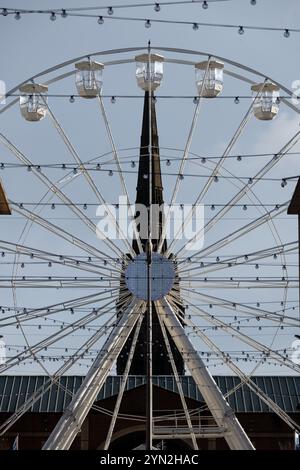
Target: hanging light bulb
x,y
181,177
168,163
53,16
132,164
85,207
157,7
113,99
286,33
195,26
4,12
110,11
283,183
100,20
17,15
239,158
72,99
110,173
236,100
147,24
64,14
205,5
52,206
241,30
253,2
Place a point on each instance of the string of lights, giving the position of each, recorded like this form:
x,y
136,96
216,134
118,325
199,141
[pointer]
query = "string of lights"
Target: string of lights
x,y
110,8
113,98
181,176
85,206
4,309
241,29
133,159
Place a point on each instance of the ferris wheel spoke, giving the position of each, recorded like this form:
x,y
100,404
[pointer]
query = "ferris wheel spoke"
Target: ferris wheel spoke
x,y
53,282
242,284
240,232
31,314
245,379
124,380
62,233
184,157
120,172
65,432
54,378
216,169
234,332
177,378
247,187
85,173
54,188
31,351
244,259
238,307
205,383
56,259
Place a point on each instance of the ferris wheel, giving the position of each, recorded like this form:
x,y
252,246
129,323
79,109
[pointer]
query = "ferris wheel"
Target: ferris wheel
x,y
212,291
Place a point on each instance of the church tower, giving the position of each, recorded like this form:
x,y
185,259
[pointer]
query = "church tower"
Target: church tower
x,y
150,149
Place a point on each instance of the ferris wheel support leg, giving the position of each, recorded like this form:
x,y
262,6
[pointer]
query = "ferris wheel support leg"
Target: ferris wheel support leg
x,y
71,421
224,416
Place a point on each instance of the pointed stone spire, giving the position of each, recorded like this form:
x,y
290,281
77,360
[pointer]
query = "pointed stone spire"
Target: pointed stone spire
x,y
142,191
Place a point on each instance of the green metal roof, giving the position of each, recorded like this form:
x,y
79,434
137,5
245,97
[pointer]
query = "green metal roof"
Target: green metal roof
x,y
14,390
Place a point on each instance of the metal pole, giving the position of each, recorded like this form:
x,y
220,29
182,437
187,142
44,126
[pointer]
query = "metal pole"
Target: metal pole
x,y
149,387
299,263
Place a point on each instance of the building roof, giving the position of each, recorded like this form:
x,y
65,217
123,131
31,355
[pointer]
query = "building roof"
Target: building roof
x,y
4,207
284,390
294,207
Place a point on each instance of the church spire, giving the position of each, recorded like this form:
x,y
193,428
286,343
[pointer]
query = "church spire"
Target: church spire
x,y
150,149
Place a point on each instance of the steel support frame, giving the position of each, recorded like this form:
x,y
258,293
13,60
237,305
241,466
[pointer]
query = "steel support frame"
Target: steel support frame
x,y
74,415
224,416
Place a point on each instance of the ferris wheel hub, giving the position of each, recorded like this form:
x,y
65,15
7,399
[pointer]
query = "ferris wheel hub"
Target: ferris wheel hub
x,y
162,276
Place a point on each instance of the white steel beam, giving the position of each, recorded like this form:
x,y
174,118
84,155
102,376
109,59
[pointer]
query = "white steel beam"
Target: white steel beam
x,y
224,416
71,421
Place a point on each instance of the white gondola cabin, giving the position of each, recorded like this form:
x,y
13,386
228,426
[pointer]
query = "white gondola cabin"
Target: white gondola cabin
x,y
266,105
89,78
149,71
33,101
209,78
